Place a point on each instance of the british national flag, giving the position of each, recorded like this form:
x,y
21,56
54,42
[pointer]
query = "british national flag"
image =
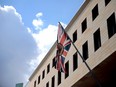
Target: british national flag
x,y
63,46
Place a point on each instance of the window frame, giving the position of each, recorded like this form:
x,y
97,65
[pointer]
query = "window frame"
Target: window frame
x,y
75,36
75,61
107,2
111,25
67,69
84,25
43,74
59,77
95,12
53,81
48,68
97,39
85,53
39,78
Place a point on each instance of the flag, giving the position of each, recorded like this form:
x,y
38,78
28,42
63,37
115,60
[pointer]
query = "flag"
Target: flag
x,y
63,46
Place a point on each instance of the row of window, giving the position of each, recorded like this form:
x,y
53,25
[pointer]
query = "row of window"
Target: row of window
x,y
95,13
111,26
75,65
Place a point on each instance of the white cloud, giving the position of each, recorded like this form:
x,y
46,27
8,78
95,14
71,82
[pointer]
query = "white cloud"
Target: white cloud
x,y
10,10
21,50
44,39
17,47
39,14
38,23
46,36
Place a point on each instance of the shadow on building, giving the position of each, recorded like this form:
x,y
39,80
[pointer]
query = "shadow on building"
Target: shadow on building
x,y
105,73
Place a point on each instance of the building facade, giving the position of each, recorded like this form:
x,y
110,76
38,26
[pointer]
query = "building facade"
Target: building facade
x,y
93,31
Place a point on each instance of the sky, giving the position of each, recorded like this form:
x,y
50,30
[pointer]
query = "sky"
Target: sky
x,y
28,29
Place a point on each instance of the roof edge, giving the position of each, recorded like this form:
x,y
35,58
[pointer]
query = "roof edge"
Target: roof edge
x,y
77,14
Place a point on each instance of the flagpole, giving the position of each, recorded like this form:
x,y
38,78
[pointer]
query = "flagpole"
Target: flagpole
x,y
98,82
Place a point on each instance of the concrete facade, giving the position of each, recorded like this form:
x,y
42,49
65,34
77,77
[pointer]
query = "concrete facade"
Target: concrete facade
x,y
100,60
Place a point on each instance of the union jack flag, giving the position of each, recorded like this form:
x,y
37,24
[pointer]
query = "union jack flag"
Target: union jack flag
x,y
63,46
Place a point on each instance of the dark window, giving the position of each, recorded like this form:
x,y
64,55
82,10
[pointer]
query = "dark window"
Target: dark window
x,y
43,74
53,81
53,62
48,68
47,85
95,12
111,24
59,77
38,79
97,39
75,62
85,50
84,25
75,36
67,69
35,84
107,1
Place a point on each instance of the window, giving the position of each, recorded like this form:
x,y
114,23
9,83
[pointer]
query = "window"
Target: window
x,y
95,12
53,62
38,79
67,69
35,84
84,25
75,36
75,62
59,77
48,68
53,81
107,1
47,85
43,74
97,40
111,24
85,50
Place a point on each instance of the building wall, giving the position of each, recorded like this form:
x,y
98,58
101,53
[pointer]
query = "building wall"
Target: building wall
x,y
108,45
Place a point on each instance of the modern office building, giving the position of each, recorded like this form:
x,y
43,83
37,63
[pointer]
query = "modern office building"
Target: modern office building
x,y
93,31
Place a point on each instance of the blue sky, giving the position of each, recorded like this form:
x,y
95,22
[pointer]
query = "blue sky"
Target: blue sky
x,y
28,29
53,10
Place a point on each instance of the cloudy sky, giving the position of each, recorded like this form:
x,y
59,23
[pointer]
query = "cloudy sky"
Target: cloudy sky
x,y
25,26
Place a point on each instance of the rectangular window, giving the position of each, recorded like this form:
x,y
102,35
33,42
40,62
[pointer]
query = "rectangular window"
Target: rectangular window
x,y
38,79
67,69
75,36
53,81
84,25
97,39
85,50
59,77
106,2
53,62
47,85
75,62
48,68
111,24
95,12
43,74
34,83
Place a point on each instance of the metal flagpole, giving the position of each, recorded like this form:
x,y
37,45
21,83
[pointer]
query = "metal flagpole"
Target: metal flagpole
x,y
98,82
